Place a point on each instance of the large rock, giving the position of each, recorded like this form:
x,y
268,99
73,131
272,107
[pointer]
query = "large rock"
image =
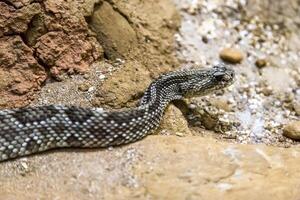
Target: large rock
x,y
174,122
155,23
20,74
15,21
59,35
67,46
124,87
32,39
113,31
158,167
148,37
67,53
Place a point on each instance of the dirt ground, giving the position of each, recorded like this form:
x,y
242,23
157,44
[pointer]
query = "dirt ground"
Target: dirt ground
x,y
158,167
234,144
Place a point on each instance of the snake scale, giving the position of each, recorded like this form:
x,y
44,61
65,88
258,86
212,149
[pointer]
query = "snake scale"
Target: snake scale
x,y
29,130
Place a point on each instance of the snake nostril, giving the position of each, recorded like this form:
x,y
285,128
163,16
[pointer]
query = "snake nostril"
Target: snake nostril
x,y
232,74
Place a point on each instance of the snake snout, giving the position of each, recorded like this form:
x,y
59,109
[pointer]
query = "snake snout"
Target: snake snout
x,y
223,73
230,73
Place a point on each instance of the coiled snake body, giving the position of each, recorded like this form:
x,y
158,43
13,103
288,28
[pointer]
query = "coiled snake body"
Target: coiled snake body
x,y
29,130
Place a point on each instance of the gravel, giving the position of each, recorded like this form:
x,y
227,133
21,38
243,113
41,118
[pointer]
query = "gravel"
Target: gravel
x,y
267,83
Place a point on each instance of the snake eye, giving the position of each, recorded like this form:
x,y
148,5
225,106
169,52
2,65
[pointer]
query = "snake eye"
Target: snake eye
x,y
220,76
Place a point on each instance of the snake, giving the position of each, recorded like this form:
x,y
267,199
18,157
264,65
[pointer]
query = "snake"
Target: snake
x,y
29,130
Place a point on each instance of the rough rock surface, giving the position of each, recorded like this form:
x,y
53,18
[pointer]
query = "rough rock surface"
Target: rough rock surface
x,y
67,46
20,74
15,21
146,45
68,36
132,79
20,3
60,51
159,167
174,123
40,36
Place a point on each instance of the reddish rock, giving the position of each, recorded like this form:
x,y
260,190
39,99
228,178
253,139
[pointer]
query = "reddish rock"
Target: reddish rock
x,y
67,47
15,21
62,52
60,40
20,74
20,3
66,17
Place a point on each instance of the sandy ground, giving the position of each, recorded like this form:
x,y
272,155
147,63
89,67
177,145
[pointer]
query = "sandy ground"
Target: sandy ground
x,y
158,167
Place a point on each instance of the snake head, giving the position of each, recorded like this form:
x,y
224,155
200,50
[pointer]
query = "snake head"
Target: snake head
x,y
203,81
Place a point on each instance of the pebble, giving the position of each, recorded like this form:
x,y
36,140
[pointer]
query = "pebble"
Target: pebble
x,y
84,87
231,55
86,76
296,106
209,122
267,91
102,76
205,39
179,134
221,104
260,63
292,130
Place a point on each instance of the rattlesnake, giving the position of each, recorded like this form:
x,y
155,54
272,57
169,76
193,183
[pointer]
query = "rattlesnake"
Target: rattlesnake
x,y
29,130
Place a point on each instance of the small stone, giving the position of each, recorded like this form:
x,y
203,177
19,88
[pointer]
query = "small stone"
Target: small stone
x,y
175,122
102,76
221,104
260,63
288,97
209,122
179,134
231,55
292,130
267,91
24,165
83,87
296,106
230,136
91,89
204,39
86,76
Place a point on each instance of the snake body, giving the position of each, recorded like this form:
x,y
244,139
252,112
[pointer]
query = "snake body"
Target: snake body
x,y
30,130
